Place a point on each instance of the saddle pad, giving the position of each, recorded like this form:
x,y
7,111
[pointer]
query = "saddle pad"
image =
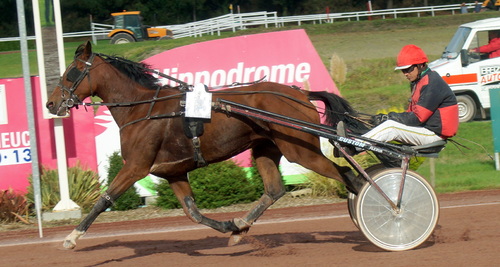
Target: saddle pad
x,y
199,102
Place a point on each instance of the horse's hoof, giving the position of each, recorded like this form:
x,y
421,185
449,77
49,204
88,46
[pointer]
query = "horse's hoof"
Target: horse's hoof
x,y
70,240
68,244
234,240
236,237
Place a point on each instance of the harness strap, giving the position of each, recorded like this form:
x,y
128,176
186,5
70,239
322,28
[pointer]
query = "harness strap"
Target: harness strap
x,y
237,84
193,129
107,198
160,116
134,102
148,116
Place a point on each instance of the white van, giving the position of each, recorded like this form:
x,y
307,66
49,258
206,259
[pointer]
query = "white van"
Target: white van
x,y
469,74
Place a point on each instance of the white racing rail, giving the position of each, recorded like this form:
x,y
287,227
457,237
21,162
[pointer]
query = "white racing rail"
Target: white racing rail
x,y
234,22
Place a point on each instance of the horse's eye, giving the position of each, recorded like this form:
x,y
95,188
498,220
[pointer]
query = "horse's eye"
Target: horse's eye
x,y
73,74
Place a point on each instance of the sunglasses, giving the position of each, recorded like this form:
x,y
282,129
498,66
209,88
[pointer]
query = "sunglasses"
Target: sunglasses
x,y
410,69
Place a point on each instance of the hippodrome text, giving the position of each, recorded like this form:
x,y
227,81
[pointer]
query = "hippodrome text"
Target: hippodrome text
x,y
283,73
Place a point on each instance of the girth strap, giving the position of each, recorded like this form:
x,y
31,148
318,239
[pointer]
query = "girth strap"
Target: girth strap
x,y
198,157
193,128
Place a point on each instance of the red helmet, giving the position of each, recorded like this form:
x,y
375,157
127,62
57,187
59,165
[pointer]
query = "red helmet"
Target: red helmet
x,y
410,55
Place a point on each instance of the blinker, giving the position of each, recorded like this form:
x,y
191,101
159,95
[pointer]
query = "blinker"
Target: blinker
x,y
73,74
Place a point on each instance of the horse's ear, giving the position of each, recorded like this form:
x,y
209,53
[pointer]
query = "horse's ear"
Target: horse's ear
x,y
84,50
87,51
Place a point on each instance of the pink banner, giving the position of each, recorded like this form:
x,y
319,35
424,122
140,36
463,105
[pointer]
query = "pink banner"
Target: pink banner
x,y
286,57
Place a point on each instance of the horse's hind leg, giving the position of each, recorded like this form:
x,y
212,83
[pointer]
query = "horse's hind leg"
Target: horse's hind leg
x,y
182,190
267,157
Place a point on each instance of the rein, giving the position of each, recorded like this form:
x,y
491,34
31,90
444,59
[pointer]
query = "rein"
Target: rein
x,y
183,85
76,76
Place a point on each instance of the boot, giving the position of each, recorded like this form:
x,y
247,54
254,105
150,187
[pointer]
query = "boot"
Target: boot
x,y
352,182
350,150
389,162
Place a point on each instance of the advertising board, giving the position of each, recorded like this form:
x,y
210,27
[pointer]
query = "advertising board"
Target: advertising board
x,y
15,151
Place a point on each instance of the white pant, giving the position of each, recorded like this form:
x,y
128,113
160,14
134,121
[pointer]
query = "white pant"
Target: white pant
x,y
394,131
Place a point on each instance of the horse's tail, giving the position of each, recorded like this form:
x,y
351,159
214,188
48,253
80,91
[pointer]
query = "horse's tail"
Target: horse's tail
x,y
338,109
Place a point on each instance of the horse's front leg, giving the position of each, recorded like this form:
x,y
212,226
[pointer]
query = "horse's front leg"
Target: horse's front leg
x,y
104,202
120,184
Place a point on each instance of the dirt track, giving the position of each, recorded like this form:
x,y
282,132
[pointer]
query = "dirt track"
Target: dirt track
x,y
468,234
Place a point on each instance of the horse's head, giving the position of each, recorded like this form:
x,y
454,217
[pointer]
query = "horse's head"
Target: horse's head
x,y
73,87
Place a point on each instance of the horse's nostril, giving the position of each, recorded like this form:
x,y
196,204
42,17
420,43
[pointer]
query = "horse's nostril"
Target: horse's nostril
x,y
49,105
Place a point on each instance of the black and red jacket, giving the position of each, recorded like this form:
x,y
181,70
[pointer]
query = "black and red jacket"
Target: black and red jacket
x,y
432,105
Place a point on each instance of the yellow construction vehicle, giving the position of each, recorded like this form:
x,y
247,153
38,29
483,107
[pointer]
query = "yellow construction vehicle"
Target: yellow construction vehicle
x,y
491,4
128,28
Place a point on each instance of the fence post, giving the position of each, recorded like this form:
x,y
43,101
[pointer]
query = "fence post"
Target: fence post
x,y
94,38
242,26
233,19
432,163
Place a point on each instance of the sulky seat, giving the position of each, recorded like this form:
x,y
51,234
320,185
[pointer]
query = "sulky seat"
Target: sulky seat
x,y
430,150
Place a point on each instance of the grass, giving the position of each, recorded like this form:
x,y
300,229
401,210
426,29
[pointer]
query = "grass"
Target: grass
x,y
368,49
461,169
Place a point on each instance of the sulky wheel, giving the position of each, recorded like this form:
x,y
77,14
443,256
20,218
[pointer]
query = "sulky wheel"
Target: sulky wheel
x,y
397,230
351,198
351,206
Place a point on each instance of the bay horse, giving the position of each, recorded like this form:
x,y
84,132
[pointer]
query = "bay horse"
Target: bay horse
x,y
154,142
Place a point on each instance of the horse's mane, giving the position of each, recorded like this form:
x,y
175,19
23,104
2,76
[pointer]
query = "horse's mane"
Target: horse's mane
x,y
137,71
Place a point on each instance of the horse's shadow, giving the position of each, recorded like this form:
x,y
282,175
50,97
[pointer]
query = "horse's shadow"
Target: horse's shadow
x,y
254,244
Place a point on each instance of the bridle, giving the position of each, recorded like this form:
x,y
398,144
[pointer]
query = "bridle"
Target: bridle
x,y
75,76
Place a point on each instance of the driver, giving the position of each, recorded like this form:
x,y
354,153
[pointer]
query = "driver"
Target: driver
x,y
432,114
493,46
